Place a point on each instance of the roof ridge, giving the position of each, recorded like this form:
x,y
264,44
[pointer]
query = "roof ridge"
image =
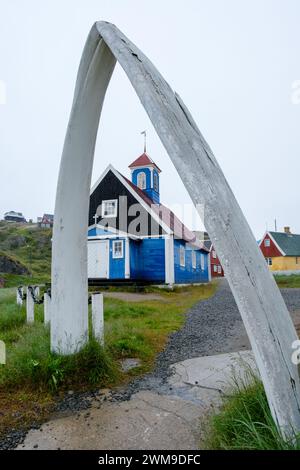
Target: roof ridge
x,y
143,160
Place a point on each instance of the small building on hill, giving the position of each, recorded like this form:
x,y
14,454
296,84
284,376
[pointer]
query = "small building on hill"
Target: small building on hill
x,y
46,221
13,216
281,250
132,236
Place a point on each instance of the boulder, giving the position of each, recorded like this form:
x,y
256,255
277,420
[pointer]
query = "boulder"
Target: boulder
x,y
11,265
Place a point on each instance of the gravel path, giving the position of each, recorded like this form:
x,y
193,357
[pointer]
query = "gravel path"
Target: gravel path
x,y
214,326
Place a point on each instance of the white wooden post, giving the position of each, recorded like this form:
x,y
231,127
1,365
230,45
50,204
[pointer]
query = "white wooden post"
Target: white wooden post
x,y
47,308
97,317
127,258
169,260
20,296
37,291
29,306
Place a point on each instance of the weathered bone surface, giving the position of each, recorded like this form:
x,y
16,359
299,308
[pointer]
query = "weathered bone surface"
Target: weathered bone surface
x,y
263,310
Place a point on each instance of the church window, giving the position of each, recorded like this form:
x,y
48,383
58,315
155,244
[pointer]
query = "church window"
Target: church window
x,y
141,180
155,182
117,249
109,208
202,262
194,259
182,256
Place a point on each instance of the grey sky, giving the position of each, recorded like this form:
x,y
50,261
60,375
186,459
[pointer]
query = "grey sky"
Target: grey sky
x,y
233,62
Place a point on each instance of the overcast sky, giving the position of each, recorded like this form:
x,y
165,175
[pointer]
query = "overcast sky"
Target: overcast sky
x,y
233,62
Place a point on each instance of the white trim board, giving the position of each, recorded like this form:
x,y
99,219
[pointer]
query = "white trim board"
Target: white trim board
x,y
116,232
169,261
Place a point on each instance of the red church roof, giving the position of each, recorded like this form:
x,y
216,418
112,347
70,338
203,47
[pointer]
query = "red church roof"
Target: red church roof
x,y
143,160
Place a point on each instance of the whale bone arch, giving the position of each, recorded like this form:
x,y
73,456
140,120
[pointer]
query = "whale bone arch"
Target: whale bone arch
x,y
264,313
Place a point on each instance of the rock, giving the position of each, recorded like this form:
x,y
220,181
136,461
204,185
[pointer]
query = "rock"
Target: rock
x,y
105,392
130,363
11,265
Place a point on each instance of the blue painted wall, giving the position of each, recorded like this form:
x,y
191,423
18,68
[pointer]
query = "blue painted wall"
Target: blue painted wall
x,y
98,231
155,194
116,265
147,262
149,191
188,274
147,259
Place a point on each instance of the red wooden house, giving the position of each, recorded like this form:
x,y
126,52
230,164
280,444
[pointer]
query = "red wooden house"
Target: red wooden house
x,y
281,250
215,264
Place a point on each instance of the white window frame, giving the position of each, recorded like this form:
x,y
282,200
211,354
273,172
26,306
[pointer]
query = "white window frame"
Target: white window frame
x,y
219,269
103,210
144,180
182,256
121,254
267,242
202,262
194,259
214,254
215,268
269,261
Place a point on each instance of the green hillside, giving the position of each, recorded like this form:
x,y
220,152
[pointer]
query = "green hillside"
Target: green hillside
x,y
30,245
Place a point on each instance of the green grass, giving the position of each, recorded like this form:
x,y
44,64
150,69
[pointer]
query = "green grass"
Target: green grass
x,y
288,281
245,422
15,280
29,360
136,329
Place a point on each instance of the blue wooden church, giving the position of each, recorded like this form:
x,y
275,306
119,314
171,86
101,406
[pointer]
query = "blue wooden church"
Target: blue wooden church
x,y
133,237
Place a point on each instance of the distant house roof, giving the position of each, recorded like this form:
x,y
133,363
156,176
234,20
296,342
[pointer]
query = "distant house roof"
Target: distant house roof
x,y
143,160
14,214
207,244
289,243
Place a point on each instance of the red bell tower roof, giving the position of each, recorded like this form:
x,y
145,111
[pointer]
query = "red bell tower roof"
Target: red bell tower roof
x,y
144,160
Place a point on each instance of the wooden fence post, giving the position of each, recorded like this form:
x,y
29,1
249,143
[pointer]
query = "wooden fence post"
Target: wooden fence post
x,y
47,308
29,305
37,291
97,317
19,294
